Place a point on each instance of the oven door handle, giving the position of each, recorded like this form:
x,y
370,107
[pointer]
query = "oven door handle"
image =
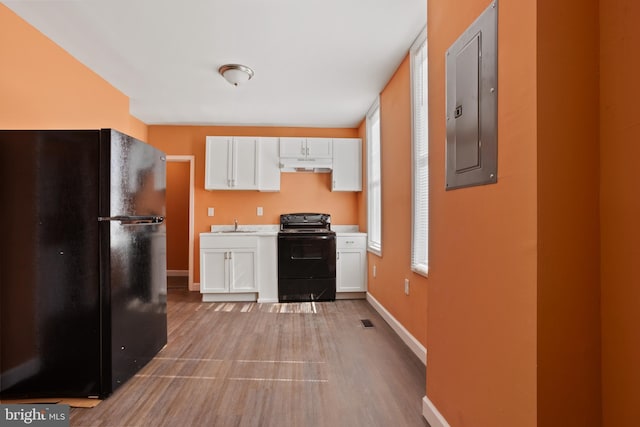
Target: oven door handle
x,y
307,258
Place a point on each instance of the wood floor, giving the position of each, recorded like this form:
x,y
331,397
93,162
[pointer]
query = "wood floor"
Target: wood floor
x,y
248,364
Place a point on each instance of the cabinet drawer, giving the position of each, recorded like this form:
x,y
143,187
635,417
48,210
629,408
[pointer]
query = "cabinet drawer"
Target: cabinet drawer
x,y
228,242
346,242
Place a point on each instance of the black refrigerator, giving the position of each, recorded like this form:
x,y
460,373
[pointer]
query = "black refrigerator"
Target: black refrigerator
x,y
82,261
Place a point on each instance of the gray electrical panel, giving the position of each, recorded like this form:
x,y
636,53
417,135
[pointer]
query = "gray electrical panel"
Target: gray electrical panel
x,y
472,104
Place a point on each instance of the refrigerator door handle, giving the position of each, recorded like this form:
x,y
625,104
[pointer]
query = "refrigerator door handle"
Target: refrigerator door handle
x,y
134,220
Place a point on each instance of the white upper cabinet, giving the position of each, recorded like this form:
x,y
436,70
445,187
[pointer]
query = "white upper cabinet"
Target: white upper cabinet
x,y
306,148
347,165
319,148
231,163
269,165
255,163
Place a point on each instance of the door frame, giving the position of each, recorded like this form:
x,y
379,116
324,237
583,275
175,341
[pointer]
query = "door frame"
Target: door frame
x,y
191,160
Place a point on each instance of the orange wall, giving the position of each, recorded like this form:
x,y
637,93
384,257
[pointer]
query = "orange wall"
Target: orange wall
x,y
481,321
43,87
514,290
620,210
177,218
395,263
298,191
568,214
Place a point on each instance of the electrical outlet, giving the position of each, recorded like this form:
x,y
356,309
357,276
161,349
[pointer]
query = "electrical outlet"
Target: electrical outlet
x,y
374,270
210,211
406,286
259,211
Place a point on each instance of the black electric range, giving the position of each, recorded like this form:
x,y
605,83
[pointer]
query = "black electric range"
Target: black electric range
x,y
306,258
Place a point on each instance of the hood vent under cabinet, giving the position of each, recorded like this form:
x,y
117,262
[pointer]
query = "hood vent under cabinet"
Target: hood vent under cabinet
x,y
316,166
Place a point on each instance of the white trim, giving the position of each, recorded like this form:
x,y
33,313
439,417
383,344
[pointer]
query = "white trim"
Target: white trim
x,y
177,272
415,345
373,246
432,415
419,153
191,160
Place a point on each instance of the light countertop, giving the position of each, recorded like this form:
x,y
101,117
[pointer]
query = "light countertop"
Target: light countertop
x,y
272,229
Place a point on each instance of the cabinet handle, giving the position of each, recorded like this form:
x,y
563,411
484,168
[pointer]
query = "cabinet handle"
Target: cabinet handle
x,y
337,255
302,149
307,151
232,272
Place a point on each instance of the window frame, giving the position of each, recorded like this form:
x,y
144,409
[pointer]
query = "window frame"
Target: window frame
x,y
374,204
419,158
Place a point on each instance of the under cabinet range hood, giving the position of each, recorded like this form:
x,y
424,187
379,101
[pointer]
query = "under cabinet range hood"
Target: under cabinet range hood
x,y
302,165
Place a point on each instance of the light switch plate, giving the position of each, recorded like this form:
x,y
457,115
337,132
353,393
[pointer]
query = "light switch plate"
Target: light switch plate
x,y
210,211
259,211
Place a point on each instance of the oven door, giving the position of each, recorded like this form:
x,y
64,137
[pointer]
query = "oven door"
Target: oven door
x,y
306,256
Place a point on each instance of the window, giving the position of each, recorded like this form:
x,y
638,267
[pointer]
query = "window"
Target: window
x,y
420,155
374,181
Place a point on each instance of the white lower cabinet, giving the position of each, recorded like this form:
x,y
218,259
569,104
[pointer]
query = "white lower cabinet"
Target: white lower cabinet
x,y
351,263
268,268
228,265
240,267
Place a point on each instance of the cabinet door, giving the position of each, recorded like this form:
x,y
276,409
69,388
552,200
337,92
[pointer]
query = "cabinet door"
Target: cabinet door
x,y
243,266
269,165
218,159
292,148
214,275
347,165
350,271
244,170
319,148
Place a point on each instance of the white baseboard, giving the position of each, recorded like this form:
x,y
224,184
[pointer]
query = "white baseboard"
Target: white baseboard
x,y
222,297
432,415
177,272
415,345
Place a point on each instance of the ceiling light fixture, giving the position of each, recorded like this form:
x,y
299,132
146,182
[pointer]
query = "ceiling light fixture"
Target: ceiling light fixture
x,y
236,73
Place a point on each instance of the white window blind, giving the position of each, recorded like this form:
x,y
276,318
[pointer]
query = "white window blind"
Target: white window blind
x,y
420,155
374,181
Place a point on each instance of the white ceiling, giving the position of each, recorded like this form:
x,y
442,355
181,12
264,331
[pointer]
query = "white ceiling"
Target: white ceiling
x,y
318,63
